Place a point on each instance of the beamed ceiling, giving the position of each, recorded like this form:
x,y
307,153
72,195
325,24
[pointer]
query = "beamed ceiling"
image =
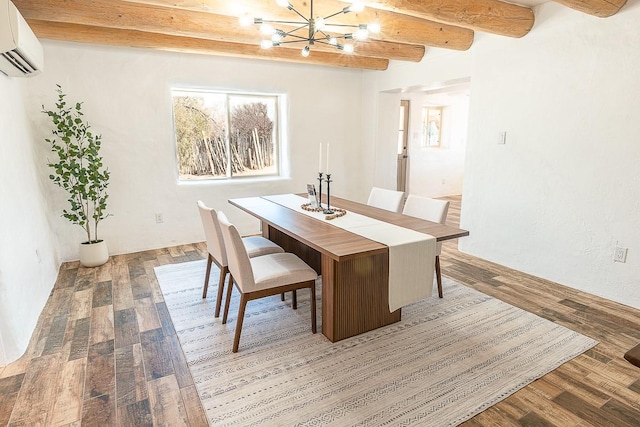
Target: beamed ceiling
x,y
212,27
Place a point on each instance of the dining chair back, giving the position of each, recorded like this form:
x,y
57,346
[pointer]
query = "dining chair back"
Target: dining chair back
x,y
255,246
215,244
432,210
382,198
239,262
262,276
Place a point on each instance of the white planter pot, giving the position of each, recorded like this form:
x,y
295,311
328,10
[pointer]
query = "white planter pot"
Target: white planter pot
x,y
94,254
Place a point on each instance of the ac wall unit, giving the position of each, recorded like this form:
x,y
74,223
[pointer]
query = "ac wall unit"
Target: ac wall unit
x,y
21,53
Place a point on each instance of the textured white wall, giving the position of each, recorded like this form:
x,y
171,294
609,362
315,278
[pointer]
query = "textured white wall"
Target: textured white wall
x,y
28,261
386,141
126,95
563,192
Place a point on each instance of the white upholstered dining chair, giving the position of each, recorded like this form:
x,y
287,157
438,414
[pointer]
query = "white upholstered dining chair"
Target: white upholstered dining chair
x,y
432,210
262,276
255,246
382,198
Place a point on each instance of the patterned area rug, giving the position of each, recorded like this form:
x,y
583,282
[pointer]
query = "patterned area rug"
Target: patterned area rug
x,y
446,361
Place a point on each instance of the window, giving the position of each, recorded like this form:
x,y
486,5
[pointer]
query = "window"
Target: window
x,y
432,126
225,135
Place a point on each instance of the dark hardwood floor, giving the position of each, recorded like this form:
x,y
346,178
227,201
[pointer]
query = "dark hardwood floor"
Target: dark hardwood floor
x,y
105,351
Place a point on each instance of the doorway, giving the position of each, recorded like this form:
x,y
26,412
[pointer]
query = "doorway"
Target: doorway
x,y
432,138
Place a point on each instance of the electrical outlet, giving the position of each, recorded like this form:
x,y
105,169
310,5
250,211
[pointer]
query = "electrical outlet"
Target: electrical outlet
x,y
159,218
620,254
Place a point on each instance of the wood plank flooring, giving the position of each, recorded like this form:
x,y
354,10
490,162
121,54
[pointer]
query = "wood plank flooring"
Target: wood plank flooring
x,y
105,351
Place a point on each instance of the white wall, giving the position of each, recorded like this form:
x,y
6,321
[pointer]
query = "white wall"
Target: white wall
x,y
386,142
126,95
28,261
563,192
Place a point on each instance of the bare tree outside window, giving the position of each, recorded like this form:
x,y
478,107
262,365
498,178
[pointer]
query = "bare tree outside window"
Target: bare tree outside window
x,y
221,135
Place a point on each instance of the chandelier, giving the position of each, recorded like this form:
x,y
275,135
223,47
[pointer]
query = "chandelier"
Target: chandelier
x,y
312,29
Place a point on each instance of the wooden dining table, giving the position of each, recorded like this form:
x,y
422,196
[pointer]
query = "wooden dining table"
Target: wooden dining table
x,y
354,269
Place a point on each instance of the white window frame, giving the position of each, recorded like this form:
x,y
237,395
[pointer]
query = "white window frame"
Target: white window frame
x,y
279,134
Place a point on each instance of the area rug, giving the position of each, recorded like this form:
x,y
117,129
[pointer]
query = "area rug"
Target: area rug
x,y
444,362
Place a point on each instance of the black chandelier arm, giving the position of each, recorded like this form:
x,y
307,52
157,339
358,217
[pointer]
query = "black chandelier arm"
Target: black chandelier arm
x,y
324,34
300,39
300,14
344,25
303,39
327,37
290,33
334,14
322,41
268,21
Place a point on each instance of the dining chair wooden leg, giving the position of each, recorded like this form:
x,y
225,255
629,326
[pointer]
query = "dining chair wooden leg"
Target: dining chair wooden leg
x,y
313,307
206,276
282,296
239,320
294,300
439,276
228,301
223,275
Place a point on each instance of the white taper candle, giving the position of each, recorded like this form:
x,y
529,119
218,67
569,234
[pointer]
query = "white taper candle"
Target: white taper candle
x,y
320,158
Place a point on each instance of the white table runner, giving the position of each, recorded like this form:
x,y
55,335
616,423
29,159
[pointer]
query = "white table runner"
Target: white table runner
x,y
411,253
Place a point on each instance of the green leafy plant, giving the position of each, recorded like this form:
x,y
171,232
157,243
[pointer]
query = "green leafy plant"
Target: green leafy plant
x,y
79,169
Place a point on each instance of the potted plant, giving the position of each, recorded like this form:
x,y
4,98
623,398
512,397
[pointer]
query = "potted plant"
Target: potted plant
x,y
80,172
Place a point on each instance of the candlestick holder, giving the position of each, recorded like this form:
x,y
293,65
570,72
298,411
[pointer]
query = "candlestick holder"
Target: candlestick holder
x,y
319,201
328,211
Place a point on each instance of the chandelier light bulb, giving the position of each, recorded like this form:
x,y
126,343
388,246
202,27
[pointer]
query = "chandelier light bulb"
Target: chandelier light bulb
x,y
246,20
319,24
374,27
305,51
284,3
266,44
278,36
356,6
333,41
361,34
348,48
267,29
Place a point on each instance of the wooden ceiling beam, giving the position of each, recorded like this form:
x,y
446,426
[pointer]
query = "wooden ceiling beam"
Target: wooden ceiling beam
x,y
140,39
396,27
382,49
170,21
491,16
600,8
